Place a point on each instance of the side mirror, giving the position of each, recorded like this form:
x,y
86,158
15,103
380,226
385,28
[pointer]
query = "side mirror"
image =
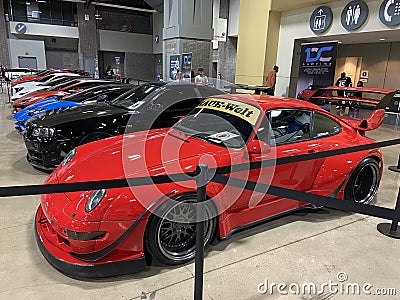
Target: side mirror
x,y
102,98
256,147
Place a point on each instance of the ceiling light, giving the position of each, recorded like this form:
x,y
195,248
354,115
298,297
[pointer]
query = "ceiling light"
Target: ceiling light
x,y
339,42
382,39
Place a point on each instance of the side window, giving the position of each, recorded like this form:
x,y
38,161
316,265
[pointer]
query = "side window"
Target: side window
x,y
325,126
263,132
289,126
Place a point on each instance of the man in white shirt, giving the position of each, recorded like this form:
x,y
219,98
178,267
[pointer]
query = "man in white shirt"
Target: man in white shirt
x,y
201,78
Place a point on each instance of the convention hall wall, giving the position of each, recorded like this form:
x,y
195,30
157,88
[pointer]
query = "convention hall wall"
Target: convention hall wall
x,y
295,28
382,60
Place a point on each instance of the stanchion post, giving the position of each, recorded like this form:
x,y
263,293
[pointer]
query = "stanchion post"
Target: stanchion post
x,y
393,230
201,183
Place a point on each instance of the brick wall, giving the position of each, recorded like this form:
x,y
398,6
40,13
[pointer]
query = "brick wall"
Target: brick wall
x,y
139,66
201,50
4,55
62,59
227,51
88,45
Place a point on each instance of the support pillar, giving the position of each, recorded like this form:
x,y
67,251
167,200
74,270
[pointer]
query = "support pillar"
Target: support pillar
x,y
88,44
257,41
4,51
188,29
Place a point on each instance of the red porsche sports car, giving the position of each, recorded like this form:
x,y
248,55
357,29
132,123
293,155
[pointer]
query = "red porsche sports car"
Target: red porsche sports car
x,y
117,231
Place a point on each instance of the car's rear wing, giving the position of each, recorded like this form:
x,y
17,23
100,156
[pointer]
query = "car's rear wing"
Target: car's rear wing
x,y
378,100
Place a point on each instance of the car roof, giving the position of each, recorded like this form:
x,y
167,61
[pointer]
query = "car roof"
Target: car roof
x,y
270,102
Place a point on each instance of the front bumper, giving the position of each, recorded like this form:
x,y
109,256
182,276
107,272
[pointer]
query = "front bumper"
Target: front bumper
x,y
47,240
45,155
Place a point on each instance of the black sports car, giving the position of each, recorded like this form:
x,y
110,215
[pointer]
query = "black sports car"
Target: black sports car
x,y
51,135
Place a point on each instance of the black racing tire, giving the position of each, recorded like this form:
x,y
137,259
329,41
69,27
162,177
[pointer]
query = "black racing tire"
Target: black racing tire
x,y
174,243
94,137
364,182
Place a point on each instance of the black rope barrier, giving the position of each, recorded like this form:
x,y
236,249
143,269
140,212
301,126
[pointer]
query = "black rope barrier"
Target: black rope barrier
x,y
370,210
42,189
392,230
302,157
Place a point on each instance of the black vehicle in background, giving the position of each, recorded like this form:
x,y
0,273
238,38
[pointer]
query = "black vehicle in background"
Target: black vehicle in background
x,y
51,135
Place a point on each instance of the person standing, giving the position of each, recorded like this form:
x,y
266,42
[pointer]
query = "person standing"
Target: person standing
x,y
271,81
109,74
201,78
3,72
343,81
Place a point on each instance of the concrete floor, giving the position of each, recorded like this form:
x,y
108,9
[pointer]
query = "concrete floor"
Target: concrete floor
x,y
304,247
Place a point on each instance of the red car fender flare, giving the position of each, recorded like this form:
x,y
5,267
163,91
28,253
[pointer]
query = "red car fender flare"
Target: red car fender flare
x,y
95,256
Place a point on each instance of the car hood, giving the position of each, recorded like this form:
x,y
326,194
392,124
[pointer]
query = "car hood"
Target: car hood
x,y
128,155
76,113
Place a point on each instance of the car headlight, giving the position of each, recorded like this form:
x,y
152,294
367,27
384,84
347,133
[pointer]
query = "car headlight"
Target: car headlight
x,y
94,199
68,157
43,132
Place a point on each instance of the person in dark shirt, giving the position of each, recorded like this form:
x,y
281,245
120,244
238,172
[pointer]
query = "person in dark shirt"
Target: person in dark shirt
x,y
109,73
343,80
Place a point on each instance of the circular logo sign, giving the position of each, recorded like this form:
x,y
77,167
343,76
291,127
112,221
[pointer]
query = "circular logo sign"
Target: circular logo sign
x,y
321,19
20,28
354,15
389,12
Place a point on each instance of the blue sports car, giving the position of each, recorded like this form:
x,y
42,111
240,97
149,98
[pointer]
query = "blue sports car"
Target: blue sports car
x,y
95,94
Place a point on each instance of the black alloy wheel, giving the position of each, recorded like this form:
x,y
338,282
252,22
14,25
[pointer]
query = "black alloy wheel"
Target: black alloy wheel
x,y
171,232
364,182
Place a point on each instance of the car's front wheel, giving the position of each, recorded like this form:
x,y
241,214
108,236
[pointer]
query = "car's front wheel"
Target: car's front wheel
x,y
171,231
364,182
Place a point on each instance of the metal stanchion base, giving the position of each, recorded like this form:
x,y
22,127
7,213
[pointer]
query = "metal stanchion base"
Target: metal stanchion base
x,y
394,169
385,229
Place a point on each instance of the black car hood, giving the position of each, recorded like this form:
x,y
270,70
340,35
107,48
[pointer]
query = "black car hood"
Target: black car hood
x,y
76,113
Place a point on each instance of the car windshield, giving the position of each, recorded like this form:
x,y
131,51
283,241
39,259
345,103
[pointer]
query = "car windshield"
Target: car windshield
x,y
41,73
134,98
223,122
45,78
63,85
58,80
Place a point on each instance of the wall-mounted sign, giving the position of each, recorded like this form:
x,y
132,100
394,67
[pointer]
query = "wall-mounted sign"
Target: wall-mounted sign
x,y
157,39
321,19
20,28
364,74
220,28
389,12
117,60
354,15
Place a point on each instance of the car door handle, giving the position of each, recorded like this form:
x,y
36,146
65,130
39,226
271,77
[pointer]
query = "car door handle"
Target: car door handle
x,y
311,151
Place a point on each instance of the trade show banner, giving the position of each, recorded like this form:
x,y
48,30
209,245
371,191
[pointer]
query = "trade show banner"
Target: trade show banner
x,y
174,65
186,66
317,65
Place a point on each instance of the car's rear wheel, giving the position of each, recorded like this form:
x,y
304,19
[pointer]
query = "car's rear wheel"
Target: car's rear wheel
x,y
364,182
171,230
